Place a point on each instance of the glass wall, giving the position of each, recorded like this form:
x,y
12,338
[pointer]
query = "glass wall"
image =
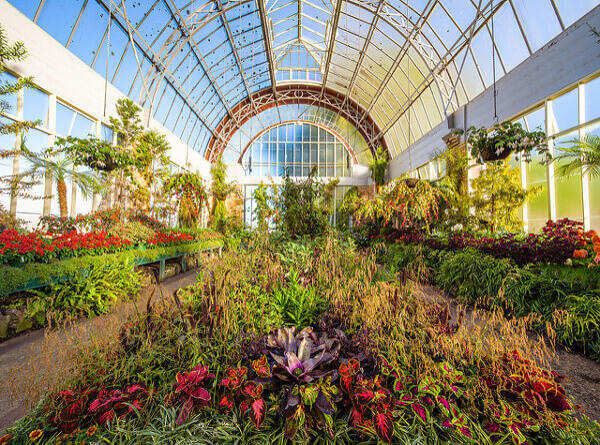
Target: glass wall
x,y
297,148
565,117
38,106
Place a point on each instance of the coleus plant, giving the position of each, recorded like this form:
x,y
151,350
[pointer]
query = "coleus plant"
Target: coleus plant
x,y
96,406
189,390
372,404
245,392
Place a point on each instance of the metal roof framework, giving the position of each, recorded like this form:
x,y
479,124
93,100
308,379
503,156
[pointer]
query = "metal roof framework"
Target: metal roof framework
x,y
393,69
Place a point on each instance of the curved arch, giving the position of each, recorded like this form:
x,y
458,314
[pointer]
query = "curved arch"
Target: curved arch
x,y
294,94
300,121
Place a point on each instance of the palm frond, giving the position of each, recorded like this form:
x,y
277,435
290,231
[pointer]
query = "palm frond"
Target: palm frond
x,y
580,155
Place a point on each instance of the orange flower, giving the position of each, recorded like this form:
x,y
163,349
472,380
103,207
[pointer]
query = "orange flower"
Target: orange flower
x,y
35,435
580,254
91,430
6,438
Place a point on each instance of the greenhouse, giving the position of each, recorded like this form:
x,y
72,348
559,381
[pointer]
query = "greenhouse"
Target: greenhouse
x,y
343,222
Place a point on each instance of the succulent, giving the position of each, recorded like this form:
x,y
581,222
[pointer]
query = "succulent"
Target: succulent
x,y
302,357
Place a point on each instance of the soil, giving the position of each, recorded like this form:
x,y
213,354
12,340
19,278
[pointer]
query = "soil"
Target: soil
x,y
583,373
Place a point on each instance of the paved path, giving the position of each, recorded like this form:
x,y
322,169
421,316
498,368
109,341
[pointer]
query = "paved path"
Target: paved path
x,y
583,372
20,350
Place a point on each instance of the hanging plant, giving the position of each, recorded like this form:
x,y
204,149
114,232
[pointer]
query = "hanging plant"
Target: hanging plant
x,y
377,167
504,139
189,191
405,203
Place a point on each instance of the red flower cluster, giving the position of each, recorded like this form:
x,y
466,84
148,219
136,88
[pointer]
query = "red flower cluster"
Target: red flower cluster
x,y
16,248
169,238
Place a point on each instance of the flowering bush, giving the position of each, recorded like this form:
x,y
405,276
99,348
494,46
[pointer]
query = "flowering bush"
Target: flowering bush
x,y
169,238
99,220
555,245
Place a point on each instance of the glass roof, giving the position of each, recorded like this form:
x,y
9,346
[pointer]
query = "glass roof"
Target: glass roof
x,y
407,63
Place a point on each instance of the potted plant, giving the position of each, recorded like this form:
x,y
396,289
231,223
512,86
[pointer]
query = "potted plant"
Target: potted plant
x,y
504,139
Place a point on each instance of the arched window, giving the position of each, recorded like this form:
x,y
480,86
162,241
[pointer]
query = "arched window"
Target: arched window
x,y
298,147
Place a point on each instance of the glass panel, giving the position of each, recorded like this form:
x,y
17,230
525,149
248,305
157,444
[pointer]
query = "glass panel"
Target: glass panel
x,y
569,196
57,18
106,133
82,127
565,111
36,105
7,142
31,209
10,98
592,103
537,209
539,21
64,119
594,187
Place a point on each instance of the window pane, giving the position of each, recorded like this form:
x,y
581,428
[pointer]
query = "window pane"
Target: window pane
x,y
11,98
592,102
82,127
31,209
569,197
64,119
35,106
565,110
7,142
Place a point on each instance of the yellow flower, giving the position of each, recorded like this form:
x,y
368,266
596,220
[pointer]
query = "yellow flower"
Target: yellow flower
x,y
6,438
91,430
35,435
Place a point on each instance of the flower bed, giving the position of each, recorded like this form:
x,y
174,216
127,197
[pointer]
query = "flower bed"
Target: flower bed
x,y
16,279
557,243
224,363
16,248
547,292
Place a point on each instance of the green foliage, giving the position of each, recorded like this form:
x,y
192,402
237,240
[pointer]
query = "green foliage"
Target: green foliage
x,y
581,156
300,206
407,202
505,138
127,124
15,279
133,231
297,304
220,190
95,153
60,170
190,194
497,196
377,166
265,198
544,291
9,53
85,295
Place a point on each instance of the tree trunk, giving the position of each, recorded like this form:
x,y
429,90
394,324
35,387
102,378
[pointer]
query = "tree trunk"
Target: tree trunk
x,y
62,197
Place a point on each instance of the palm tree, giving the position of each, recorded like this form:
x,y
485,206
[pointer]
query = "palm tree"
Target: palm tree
x,y
60,170
581,154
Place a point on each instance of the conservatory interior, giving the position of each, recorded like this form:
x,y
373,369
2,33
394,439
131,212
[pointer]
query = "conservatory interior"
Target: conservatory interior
x,y
299,222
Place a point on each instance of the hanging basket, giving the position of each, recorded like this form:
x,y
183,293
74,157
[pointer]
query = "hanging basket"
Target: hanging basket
x,y
106,165
411,183
489,153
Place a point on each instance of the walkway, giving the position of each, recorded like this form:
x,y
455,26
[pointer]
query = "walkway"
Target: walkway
x,y
20,350
584,373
